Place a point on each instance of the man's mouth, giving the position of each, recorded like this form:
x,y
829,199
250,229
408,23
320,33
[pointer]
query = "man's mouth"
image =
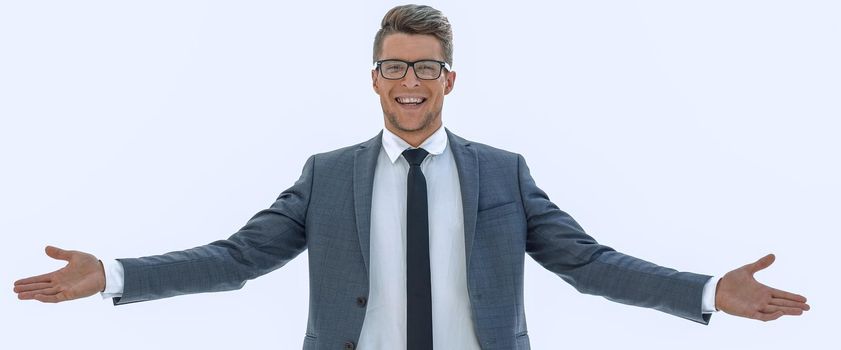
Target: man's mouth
x,y
403,100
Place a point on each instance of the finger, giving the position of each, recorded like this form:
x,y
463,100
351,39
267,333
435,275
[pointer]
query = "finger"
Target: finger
x,y
785,310
789,303
776,293
32,286
760,264
57,298
765,317
35,293
57,253
47,277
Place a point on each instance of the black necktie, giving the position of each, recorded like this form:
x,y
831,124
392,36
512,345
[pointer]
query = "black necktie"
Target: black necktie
x,y
418,286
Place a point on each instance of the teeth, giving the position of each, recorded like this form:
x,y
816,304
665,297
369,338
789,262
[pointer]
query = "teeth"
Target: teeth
x,y
414,100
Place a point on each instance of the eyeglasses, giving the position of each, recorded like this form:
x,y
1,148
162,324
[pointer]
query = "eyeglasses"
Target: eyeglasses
x,y
424,69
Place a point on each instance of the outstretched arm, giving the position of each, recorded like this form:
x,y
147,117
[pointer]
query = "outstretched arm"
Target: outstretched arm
x,y
740,294
83,276
269,240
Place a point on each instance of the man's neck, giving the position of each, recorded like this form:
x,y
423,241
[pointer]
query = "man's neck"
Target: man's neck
x,y
414,138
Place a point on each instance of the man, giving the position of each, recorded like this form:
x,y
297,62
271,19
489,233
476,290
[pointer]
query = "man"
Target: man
x,y
417,237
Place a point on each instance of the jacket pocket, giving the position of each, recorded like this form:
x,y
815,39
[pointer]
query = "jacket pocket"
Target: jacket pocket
x,y
497,211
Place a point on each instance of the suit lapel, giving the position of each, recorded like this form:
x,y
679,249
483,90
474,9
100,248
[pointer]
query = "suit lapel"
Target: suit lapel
x,y
364,164
467,163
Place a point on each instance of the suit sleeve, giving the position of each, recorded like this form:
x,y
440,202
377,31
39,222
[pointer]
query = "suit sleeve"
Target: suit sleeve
x,y
269,240
560,245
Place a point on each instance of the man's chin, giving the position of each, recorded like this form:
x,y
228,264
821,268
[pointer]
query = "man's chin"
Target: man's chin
x,y
411,128
410,123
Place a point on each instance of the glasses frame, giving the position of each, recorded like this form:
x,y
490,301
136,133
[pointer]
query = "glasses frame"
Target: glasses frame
x,y
444,65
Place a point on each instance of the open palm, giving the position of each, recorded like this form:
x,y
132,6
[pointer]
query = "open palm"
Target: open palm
x,y
740,294
83,276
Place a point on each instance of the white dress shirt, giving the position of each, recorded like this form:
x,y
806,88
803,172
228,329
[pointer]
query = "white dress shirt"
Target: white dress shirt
x,y
385,316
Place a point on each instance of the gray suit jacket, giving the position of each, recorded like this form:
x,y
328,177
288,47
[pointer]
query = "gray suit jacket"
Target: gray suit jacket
x,y
328,212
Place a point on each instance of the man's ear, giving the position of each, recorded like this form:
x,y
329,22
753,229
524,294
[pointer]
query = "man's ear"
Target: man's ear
x,y
450,81
374,80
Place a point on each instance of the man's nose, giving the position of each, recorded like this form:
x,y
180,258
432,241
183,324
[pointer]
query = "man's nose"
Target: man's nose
x,y
410,79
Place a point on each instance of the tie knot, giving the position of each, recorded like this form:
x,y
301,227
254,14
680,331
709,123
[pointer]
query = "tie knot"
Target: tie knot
x,y
415,156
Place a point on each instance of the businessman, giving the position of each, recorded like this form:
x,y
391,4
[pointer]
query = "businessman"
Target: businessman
x,y
417,237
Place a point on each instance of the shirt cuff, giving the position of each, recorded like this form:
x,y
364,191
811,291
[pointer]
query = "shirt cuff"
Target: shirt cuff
x,y
114,279
708,296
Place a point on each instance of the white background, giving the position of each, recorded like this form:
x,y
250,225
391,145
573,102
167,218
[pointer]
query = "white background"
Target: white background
x,y
698,135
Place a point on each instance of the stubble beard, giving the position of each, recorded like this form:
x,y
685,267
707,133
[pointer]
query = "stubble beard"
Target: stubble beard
x,y
428,119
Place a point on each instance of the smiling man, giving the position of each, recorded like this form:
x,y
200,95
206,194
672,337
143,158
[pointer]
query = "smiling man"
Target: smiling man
x,y
417,237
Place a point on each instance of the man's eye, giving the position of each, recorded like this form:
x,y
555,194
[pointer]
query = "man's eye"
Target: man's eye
x,y
426,67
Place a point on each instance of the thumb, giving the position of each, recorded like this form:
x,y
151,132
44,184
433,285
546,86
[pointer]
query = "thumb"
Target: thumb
x,y
761,264
57,253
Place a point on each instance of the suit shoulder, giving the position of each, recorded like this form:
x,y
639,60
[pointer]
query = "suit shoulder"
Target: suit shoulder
x,y
484,148
344,154
490,153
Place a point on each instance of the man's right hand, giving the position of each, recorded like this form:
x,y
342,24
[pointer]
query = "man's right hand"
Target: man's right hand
x,y
82,277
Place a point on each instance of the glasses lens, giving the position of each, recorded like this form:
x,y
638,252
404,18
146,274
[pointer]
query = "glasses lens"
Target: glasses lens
x,y
393,69
428,69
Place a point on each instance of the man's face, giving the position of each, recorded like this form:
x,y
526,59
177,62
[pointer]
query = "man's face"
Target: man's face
x,y
403,116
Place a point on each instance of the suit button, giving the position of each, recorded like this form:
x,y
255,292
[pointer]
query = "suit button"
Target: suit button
x,y
361,301
348,346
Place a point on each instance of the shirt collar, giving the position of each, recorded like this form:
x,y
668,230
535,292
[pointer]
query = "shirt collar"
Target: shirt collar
x,y
394,145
